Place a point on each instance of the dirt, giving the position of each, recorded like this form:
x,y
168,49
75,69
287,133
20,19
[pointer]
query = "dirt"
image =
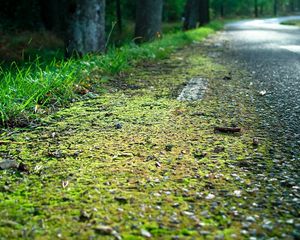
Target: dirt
x,y
136,163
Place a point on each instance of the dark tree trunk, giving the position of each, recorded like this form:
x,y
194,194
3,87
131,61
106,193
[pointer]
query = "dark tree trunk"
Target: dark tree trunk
x,y
204,16
255,9
86,28
261,9
275,6
222,10
292,5
148,20
191,15
119,15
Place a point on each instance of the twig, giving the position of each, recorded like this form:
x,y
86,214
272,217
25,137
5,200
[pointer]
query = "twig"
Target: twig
x,y
227,129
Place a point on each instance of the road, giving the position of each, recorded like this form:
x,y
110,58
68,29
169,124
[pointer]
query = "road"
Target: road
x,y
271,53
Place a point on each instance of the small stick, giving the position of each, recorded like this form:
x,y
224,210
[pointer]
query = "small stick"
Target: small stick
x,y
227,129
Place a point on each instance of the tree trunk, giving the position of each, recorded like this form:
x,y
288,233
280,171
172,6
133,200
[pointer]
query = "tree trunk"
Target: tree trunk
x,y
191,14
204,17
275,6
119,15
292,6
255,9
86,28
222,10
148,19
261,9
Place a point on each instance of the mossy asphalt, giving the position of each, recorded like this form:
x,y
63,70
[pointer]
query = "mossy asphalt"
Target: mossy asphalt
x,y
136,163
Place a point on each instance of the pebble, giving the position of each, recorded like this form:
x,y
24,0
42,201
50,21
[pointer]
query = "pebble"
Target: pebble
x,y
204,233
8,164
118,126
250,219
219,237
104,230
188,213
145,233
210,196
237,193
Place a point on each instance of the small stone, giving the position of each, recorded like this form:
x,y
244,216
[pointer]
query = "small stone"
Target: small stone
x,y
174,220
104,230
175,205
210,196
255,142
145,233
8,164
205,214
246,225
252,238
244,232
118,126
250,219
188,213
263,93
204,233
290,221
268,226
219,237
237,193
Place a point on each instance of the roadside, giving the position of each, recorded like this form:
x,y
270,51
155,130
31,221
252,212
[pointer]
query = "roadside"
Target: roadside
x,y
137,163
36,87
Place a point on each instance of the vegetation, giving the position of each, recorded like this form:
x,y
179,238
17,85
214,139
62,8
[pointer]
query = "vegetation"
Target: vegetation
x,y
292,23
136,162
39,88
41,79
113,153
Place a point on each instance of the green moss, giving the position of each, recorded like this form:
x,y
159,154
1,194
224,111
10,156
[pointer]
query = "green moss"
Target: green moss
x,y
104,161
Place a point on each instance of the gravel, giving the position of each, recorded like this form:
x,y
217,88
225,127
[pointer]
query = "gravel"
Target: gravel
x,y
264,49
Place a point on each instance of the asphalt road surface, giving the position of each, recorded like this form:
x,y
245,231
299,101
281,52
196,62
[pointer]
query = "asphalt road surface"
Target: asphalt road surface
x,y
271,53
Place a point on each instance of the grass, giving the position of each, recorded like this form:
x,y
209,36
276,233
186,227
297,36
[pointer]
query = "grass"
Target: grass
x,y
292,23
35,88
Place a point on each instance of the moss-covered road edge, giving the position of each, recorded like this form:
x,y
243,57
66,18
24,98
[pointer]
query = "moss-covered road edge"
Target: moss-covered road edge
x,y
136,163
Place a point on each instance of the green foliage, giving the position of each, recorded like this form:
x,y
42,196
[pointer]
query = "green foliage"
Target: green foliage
x,y
291,23
27,90
173,10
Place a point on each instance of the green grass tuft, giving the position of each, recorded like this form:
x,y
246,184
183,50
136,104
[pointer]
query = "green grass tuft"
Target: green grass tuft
x,y
38,87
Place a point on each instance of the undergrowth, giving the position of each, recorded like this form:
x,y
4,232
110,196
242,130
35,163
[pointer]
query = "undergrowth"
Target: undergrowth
x,y
292,23
34,89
